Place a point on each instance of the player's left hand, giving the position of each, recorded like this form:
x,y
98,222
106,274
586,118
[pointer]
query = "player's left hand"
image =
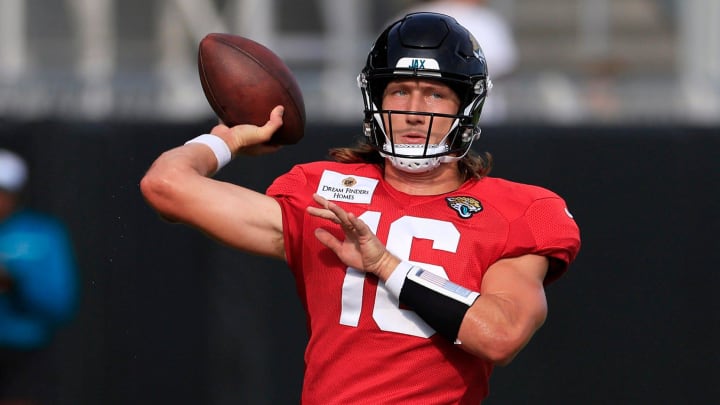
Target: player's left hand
x,y
361,249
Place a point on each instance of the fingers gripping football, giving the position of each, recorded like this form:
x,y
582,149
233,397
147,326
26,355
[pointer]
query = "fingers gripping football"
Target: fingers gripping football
x,y
252,139
243,80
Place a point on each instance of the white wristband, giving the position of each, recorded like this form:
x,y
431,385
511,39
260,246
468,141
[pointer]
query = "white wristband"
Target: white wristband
x,y
395,282
219,148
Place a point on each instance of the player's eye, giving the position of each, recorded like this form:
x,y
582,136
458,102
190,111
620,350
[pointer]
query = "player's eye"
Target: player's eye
x,y
440,92
395,90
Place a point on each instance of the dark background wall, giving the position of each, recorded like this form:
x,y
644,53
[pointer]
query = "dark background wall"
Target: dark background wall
x,y
169,316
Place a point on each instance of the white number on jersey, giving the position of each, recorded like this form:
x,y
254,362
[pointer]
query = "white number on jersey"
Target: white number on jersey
x,y
386,311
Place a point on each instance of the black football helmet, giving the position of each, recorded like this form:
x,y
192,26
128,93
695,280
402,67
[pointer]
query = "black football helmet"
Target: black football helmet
x,y
433,46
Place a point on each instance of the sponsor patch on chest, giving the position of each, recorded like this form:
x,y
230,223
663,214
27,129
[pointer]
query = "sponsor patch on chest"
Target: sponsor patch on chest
x,y
336,186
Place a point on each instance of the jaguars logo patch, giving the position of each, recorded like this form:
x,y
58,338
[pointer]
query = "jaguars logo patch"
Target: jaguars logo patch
x,y
466,207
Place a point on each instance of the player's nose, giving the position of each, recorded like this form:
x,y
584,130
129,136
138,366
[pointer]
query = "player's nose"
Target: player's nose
x,y
415,104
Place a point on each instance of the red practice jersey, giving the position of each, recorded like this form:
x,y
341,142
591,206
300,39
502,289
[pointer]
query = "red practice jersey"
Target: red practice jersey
x,y
363,346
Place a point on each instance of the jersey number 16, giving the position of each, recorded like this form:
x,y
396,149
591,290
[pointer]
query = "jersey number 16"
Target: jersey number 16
x,y
386,310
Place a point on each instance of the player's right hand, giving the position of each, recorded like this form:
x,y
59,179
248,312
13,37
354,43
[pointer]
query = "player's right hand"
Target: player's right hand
x,y
247,139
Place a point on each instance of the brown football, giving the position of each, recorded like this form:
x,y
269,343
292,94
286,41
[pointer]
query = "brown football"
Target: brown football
x,y
243,81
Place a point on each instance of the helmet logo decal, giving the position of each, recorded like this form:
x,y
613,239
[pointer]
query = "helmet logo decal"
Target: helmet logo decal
x,y
418,63
464,206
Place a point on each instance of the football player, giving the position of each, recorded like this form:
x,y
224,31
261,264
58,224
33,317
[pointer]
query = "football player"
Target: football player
x,y
417,270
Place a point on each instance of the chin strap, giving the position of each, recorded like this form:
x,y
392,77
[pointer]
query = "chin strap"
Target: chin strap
x,y
419,164
416,164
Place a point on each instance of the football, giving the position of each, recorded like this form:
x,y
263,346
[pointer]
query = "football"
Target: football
x,y
243,81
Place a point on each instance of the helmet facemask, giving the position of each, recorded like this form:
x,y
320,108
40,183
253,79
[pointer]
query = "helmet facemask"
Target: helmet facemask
x,y
417,158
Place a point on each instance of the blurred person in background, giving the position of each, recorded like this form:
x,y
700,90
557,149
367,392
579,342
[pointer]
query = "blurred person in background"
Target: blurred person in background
x,y
38,286
496,39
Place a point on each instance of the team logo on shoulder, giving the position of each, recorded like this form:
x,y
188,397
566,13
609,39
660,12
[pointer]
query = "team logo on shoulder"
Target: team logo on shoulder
x,y
464,206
